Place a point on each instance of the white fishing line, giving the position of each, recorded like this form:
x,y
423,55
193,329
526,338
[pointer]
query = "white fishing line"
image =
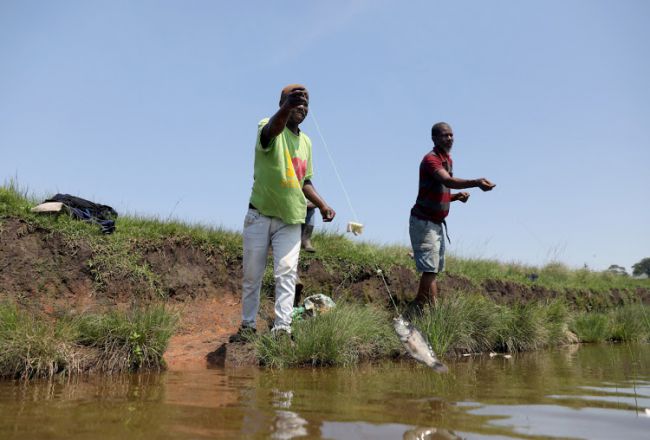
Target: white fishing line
x,y
336,171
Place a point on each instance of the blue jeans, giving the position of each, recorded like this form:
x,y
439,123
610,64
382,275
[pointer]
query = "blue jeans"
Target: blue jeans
x,y
309,218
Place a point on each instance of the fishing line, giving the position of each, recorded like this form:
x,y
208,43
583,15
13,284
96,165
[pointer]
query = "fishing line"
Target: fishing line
x,y
336,171
381,274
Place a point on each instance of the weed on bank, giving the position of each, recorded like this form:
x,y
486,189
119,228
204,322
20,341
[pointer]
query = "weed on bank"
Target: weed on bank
x,y
33,345
457,324
344,336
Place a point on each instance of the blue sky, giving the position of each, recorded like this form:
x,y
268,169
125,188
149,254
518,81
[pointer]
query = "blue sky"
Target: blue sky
x,y
152,106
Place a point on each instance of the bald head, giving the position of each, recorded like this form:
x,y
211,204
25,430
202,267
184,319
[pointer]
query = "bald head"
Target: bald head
x,y
438,128
442,135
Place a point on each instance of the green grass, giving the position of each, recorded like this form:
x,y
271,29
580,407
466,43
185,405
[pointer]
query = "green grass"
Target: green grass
x,y
465,323
591,327
522,327
630,324
554,276
128,341
342,337
30,347
461,323
33,345
456,324
558,317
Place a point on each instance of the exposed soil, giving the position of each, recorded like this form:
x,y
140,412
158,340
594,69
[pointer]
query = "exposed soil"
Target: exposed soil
x,y
41,269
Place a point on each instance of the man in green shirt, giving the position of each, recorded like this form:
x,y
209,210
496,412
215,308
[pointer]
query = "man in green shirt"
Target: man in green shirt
x,y
277,208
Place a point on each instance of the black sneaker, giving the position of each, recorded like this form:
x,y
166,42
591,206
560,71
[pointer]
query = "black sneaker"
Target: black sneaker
x,y
244,334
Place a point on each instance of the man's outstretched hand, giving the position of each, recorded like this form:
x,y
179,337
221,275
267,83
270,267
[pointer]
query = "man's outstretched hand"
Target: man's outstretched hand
x,y
485,184
462,196
327,213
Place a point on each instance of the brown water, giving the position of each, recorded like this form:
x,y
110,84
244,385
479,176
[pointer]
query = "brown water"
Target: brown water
x,y
592,392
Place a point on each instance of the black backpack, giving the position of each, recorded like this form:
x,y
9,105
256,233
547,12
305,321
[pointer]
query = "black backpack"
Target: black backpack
x,y
82,209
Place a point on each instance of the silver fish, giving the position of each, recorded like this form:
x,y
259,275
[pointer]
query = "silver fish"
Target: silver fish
x,y
417,345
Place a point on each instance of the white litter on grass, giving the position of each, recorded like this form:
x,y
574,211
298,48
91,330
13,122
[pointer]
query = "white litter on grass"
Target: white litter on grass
x,y
48,207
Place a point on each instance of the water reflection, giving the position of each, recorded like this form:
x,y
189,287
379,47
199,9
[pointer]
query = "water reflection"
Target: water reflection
x,y
430,434
593,392
287,424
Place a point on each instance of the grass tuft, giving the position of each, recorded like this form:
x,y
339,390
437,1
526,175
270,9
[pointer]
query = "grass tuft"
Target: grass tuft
x,y
629,324
472,323
462,323
33,346
344,336
522,328
128,341
591,327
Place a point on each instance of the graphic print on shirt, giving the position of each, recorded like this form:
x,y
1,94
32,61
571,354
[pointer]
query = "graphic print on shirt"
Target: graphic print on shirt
x,y
295,170
300,167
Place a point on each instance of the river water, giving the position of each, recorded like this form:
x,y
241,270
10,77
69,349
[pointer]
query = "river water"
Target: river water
x,y
590,392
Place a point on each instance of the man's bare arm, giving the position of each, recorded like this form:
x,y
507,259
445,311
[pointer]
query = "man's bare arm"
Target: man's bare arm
x,y
443,177
278,121
312,195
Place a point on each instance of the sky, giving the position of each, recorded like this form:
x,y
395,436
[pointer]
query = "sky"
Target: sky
x,y
152,107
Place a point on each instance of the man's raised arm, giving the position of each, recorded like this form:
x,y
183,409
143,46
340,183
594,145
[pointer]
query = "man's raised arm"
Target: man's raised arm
x,y
296,98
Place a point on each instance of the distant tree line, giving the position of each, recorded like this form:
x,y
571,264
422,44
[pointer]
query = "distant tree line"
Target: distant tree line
x,y
638,269
642,267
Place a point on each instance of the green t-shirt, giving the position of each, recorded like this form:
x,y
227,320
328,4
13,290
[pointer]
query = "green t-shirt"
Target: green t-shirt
x,y
280,172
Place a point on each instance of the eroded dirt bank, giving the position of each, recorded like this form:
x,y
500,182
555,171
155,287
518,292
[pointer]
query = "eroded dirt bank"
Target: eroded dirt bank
x,y
45,270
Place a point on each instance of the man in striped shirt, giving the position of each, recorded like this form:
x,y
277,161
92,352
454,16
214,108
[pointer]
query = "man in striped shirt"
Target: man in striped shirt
x,y
431,208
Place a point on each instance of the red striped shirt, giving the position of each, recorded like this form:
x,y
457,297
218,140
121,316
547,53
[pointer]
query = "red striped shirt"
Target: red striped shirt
x,y
433,199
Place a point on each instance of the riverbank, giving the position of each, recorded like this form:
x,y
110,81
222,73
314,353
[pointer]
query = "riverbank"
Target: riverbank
x,y
459,324
51,264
